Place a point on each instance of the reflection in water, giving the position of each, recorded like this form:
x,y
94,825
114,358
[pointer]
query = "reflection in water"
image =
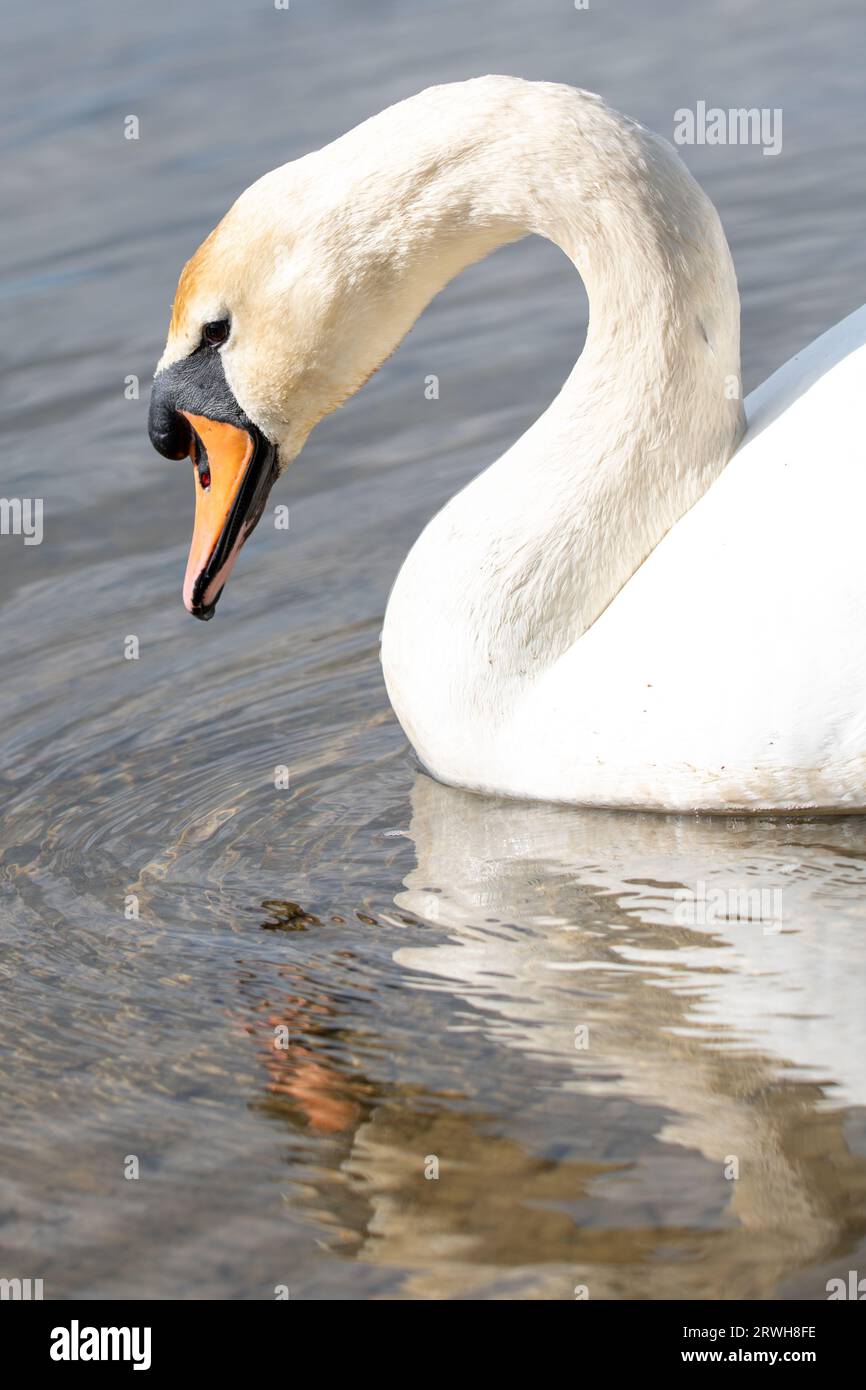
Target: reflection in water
x,y
564,943
292,1041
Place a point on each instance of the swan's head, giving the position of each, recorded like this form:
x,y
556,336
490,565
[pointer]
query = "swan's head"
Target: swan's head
x,y
280,315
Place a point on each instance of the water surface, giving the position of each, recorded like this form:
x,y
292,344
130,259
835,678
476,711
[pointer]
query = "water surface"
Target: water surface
x,y
532,998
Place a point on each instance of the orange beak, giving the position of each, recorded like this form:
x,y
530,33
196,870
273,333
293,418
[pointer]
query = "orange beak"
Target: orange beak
x,y
234,470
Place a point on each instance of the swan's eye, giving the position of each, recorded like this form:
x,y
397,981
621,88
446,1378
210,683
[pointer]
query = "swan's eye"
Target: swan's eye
x,y
215,333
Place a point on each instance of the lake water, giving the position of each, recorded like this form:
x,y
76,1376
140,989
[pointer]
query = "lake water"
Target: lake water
x,y
633,1046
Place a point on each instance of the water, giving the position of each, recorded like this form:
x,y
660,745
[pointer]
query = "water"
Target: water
x,y
429,953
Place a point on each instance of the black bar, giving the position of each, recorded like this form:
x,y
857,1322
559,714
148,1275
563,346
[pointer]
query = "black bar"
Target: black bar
x,y
648,1337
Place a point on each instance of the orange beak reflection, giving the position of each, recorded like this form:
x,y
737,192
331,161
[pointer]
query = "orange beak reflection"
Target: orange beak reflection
x,y
234,470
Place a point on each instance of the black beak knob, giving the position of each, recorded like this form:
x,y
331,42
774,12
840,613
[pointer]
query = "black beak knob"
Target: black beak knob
x,y
170,433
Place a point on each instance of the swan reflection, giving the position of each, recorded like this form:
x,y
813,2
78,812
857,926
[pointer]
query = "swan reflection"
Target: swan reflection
x,y
686,1130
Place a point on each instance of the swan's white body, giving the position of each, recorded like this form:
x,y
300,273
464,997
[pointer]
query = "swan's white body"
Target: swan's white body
x,y
530,648
608,615
729,672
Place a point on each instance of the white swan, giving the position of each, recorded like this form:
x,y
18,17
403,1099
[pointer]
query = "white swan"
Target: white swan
x,y
608,615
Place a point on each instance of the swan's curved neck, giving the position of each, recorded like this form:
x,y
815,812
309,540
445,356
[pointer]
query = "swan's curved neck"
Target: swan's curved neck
x,y
522,561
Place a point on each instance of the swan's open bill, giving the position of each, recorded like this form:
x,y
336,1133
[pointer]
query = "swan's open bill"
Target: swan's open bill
x,y
234,467
233,474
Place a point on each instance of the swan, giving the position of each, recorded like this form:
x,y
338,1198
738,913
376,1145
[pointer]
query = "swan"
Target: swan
x,y
643,603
